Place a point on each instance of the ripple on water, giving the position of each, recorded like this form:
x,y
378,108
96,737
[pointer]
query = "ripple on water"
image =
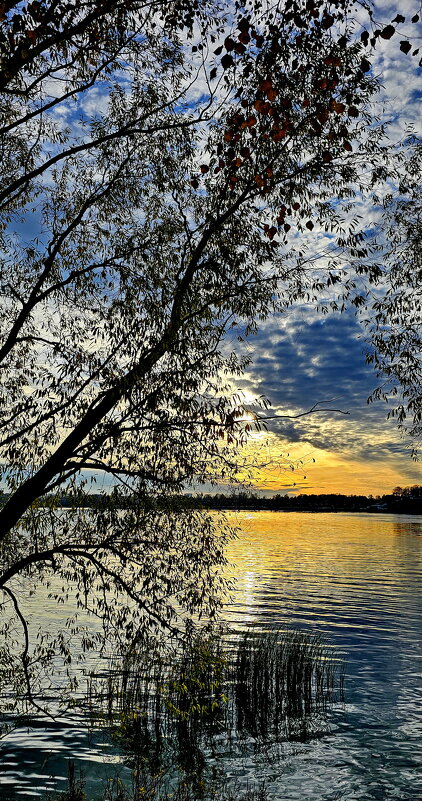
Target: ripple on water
x,y
355,578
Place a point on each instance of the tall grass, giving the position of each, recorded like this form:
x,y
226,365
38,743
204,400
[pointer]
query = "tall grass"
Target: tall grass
x,y
177,720
281,679
274,684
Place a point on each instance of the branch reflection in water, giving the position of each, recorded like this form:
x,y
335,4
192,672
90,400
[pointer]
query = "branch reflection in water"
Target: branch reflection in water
x,y
180,723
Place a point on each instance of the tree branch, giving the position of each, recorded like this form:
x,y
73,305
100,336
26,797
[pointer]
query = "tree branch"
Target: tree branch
x,y
25,653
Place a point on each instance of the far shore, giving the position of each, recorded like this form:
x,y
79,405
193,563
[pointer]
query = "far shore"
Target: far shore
x,y
402,501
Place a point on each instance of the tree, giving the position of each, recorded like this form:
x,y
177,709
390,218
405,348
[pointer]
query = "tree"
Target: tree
x,y
395,322
140,222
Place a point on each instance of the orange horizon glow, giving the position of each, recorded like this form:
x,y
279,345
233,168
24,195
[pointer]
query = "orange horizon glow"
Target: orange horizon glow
x,y
317,471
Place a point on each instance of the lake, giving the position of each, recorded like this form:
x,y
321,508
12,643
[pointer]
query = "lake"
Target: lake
x,y
357,579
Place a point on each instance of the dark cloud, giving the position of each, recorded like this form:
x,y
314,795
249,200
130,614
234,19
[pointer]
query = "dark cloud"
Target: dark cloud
x,y
303,360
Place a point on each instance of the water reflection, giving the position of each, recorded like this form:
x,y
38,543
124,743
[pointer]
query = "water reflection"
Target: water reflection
x,y
355,578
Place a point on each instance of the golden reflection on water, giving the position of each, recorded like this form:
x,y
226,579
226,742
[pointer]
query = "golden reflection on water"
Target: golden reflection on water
x,y
323,567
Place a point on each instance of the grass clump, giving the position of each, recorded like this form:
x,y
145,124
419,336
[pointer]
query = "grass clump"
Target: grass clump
x,y
146,787
216,697
282,678
266,684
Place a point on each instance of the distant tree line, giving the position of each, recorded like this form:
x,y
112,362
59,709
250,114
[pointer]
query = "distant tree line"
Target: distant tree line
x,y
409,500
401,500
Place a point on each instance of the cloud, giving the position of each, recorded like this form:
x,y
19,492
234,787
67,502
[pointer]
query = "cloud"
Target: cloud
x,y
302,359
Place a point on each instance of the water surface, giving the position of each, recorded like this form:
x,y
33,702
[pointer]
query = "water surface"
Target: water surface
x,y
355,577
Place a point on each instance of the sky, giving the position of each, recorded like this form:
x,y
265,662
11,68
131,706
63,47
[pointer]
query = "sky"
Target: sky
x,y
305,358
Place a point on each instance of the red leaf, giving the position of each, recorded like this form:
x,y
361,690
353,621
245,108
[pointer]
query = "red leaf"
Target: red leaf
x,y
337,107
326,156
415,18
388,32
269,172
240,48
296,206
249,123
347,146
265,85
204,168
278,134
405,46
244,38
194,183
272,232
262,106
287,227
310,225
353,111
323,116
399,18
365,65
229,43
327,21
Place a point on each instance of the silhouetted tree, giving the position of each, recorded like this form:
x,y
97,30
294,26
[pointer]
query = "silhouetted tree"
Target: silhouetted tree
x,y
153,195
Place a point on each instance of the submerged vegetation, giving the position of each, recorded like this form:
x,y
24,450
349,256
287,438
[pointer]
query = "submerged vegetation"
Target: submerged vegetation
x,y
155,788
177,721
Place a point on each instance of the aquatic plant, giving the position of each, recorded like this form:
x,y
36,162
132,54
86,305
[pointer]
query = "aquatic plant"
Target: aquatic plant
x,y
157,788
265,684
75,786
280,679
215,695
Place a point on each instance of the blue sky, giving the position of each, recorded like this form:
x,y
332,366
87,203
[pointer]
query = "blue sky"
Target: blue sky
x,y
302,359
305,358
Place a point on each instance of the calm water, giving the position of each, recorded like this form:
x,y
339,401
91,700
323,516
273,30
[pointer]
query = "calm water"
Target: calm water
x,y
355,577
358,579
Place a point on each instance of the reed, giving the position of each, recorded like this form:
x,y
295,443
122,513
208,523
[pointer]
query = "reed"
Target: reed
x,y
265,684
147,787
216,695
281,679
